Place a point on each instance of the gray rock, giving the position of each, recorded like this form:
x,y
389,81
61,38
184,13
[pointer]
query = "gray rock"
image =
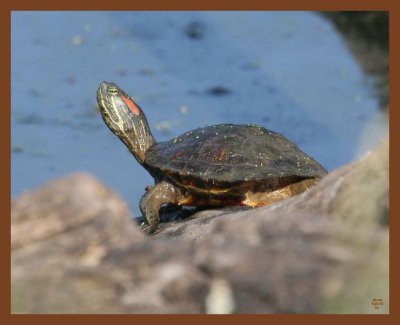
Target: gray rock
x,y
75,249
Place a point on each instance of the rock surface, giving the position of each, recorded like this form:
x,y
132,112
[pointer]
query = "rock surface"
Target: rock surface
x,y
75,249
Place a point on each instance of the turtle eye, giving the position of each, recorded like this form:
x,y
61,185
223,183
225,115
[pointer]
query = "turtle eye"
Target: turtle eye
x,y
113,91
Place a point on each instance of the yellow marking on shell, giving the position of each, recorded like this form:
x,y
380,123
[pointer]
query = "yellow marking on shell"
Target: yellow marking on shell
x,y
255,199
195,189
186,200
250,203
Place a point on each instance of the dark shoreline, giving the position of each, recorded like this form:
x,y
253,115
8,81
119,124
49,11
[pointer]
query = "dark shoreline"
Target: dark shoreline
x,y
367,36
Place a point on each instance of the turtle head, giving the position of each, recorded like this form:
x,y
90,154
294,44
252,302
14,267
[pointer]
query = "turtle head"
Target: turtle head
x,y
125,119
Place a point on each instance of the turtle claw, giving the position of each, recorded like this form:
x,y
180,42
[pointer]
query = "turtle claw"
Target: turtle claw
x,y
145,227
148,229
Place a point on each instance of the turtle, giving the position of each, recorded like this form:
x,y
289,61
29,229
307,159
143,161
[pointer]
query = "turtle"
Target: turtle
x,y
211,166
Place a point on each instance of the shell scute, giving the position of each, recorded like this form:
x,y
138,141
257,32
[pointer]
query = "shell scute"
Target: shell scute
x,y
230,154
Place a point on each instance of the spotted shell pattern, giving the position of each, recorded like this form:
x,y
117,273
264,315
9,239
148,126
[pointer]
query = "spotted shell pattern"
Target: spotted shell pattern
x,y
227,154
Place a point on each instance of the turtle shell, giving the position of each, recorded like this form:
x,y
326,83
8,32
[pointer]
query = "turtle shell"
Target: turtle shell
x,y
224,156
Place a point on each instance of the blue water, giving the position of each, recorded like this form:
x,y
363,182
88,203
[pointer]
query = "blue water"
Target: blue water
x,y
288,71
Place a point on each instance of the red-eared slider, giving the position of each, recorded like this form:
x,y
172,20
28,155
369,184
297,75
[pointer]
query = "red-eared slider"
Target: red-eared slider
x,y
215,165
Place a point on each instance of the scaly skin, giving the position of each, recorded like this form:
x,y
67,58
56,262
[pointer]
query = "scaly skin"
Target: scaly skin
x,y
151,202
125,119
128,122
172,186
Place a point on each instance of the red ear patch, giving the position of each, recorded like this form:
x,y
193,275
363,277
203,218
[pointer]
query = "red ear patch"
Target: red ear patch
x,y
131,104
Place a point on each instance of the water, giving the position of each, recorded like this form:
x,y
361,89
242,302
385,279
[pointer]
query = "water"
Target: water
x,y
287,71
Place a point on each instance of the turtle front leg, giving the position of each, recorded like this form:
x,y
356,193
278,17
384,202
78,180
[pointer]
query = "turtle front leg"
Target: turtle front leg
x,y
151,202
